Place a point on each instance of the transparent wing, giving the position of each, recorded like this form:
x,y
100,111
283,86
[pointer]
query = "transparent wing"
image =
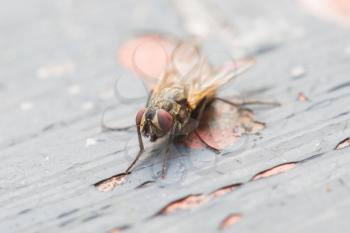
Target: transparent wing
x,y
211,80
184,63
190,68
162,62
147,56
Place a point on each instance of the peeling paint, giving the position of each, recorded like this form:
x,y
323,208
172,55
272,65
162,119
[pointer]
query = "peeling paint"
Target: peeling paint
x,y
186,203
119,229
229,221
333,10
222,125
195,200
343,144
147,55
109,184
225,190
274,171
302,97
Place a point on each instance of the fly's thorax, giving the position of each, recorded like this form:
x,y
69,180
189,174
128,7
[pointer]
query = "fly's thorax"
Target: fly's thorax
x,y
173,100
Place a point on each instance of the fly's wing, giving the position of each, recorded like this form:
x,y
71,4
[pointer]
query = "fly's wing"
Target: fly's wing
x,y
184,63
190,69
207,81
186,67
147,56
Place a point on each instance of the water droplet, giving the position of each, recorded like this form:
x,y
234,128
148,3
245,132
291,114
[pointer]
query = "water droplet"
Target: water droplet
x,y
26,105
297,72
87,105
74,89
90,142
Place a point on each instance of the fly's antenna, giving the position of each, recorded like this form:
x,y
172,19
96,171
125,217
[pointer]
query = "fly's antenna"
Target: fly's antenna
x,y
127,100
106,128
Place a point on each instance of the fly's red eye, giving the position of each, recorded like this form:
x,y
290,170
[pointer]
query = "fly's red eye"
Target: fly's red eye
x,y
139,116
165,120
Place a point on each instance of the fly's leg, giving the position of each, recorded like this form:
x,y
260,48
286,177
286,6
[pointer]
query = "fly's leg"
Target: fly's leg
x,y
165,161
139,136
257,102
217,151
250,102
167,151
199,117
141,150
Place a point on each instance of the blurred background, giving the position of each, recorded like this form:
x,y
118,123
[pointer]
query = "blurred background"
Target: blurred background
x,y
59,64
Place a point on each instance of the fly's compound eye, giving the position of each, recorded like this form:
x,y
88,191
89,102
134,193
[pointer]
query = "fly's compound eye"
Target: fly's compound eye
x,y
165,120
139,116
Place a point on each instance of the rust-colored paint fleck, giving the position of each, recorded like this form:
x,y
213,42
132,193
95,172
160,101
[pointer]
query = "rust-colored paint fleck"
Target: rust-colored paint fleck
x,y
186,203
119,229
222,125
147,55
333,10
110,183
229,221
343,144
274,171
194,200
116,230
302,97
225,190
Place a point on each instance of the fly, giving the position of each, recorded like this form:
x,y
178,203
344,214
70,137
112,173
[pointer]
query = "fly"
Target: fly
x,y
175,105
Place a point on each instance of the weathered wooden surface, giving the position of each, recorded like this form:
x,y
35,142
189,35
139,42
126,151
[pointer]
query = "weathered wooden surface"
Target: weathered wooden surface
x,y
58,69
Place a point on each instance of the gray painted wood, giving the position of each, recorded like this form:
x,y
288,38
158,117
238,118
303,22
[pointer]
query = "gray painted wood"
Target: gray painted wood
x,y
52,150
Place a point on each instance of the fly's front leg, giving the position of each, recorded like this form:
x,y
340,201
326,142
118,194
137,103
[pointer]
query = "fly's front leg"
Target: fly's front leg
x,y
257,102
198,119
141,150
194,121
139,136
167,151
216,150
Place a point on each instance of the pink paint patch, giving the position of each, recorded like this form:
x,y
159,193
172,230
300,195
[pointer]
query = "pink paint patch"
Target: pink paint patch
x,y
147,56
222,125
343,144
118,229
302,97
225,190
275,170
189,202
230,220
333,10
109,184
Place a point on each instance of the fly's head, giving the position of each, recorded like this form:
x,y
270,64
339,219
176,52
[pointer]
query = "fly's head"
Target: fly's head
x,y
154,123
